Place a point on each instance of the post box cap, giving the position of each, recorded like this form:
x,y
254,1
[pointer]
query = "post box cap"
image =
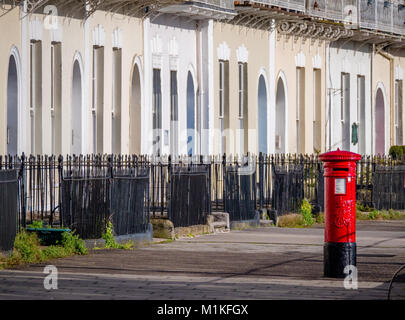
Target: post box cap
x,y
339,155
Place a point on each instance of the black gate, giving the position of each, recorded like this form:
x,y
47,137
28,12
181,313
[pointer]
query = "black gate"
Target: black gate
x,y
389,187
130,201
240,192
8,208
85,194
190,201
288,191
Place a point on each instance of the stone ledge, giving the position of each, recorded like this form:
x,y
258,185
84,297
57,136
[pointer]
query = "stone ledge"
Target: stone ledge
x,y
218,222
186,232
267,223
245,224
144,237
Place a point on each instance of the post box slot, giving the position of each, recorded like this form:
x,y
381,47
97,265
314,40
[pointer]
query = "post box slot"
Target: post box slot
x,y
340,169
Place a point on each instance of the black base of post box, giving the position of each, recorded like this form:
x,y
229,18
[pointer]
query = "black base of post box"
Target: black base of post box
x,y
336,256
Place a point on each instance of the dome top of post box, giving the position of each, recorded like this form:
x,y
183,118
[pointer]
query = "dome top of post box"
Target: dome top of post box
x,y
339,155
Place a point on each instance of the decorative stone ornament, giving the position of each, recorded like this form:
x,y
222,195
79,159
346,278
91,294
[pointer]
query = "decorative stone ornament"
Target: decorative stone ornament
x,y
156,49
36,29
242,54
300,60
312,30
399,73
223,52
173,54
117,38
99,36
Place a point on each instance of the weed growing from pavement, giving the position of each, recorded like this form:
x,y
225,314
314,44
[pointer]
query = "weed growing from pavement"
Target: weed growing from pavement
x,y
320,218
367,213
301,220
306,211
362,208
73,244
110,242
27,249
293,220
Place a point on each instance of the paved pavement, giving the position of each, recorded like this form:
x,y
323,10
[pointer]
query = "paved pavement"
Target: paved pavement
x,y
265,263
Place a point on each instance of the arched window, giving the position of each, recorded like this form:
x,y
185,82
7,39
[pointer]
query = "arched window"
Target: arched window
x,y
379,122
12,107
281,107
135,112
76,109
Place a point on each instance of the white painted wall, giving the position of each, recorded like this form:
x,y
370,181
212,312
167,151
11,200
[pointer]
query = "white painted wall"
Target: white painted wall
x,y
162,34
344,57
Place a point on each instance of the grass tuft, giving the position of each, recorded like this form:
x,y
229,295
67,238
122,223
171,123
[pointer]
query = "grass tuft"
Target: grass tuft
x,y
110,242
27,249
293,220
306,212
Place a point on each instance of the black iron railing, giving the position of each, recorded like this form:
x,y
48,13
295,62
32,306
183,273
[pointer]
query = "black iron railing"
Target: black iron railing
x,y
85,192
189,202
9,214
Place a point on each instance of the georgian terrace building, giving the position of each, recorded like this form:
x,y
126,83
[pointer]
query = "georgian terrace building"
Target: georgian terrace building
x,y
201,77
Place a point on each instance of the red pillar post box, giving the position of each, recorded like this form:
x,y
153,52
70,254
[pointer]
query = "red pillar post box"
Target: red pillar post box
x,y
340,211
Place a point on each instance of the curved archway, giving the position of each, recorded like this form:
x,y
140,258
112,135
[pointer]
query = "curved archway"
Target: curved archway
x,y
281,107
262,114
379,122
12,106
135,112
76,109
191,123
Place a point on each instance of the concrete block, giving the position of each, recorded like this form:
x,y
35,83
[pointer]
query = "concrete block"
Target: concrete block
x,y
181,232
218,221
163,228
244,224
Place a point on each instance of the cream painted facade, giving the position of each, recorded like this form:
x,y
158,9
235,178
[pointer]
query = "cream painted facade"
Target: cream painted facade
x,y
238,45
105,85
381,82
399,68
173,54
11,47
297,57
350,102
125,34
76,38
373,102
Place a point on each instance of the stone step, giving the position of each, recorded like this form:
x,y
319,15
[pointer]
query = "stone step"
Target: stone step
x,y
218,221
219,224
